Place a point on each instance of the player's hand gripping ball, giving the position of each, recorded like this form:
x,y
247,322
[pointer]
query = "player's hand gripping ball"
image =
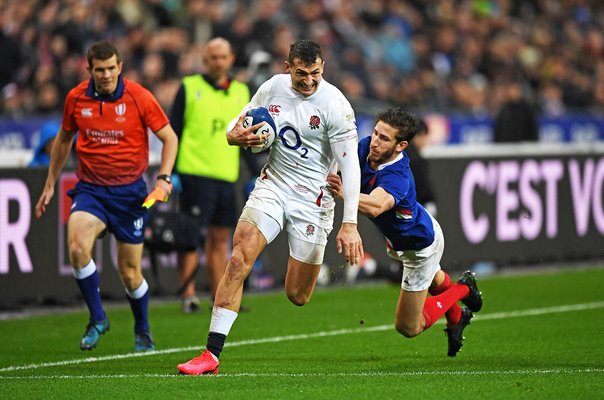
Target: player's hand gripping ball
x,y
269,129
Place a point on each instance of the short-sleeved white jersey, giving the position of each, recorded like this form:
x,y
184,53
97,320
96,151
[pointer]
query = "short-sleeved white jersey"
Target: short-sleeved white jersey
x,y
301,157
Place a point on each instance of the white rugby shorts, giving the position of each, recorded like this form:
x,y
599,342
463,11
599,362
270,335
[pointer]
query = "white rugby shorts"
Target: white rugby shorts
x,y
308,225
420,266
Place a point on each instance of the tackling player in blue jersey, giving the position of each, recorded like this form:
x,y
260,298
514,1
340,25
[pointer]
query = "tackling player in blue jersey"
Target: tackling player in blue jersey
x,y
413,236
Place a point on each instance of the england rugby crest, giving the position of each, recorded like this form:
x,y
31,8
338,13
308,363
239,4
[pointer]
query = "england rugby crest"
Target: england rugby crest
x,y
314,123
310,230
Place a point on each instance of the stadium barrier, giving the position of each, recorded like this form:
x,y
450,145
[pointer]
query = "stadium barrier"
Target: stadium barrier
x,y
520,204
509,205
24,135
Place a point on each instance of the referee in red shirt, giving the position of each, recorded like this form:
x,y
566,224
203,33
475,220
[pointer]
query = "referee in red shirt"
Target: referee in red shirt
x,y
112,117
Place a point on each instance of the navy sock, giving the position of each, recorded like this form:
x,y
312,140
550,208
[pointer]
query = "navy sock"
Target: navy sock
x,y
215,343
140,308
89,287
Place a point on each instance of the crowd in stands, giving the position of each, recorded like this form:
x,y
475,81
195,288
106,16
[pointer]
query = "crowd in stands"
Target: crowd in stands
x,y
436,55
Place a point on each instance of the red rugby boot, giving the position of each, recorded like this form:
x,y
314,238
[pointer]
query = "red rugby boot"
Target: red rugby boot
x,y
201,365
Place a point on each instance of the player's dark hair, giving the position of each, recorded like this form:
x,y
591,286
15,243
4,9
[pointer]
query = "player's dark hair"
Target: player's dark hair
x,y
102,50
305,50
404,122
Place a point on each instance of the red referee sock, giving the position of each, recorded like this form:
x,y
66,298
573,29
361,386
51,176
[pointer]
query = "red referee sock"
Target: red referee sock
x,y
453,314
436,306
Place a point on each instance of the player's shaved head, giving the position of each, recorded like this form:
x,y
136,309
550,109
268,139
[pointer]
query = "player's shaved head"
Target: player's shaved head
x,y
217,43
218,58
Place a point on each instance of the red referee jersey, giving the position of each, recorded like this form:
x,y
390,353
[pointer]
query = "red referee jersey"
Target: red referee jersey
x,y
113,139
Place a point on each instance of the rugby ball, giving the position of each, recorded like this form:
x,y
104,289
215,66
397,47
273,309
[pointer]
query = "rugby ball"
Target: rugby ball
x,y
255,116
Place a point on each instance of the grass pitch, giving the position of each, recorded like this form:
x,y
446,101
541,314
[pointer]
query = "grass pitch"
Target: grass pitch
x,y
539,336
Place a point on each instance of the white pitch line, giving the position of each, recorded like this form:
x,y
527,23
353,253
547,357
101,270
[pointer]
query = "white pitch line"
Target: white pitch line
x,y
552,371
276,339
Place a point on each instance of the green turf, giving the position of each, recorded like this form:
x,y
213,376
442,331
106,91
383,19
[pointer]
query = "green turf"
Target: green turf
x,y
523,344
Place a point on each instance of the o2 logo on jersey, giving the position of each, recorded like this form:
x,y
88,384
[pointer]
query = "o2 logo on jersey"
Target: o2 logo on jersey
x,y
120,110
295,145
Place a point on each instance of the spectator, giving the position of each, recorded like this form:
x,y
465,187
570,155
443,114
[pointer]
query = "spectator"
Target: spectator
x,y
47,99
516,121
551,100
420,168
432,46
48,132
13,104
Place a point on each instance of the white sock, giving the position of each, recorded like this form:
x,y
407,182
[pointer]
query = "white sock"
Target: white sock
x,y
222,320
86,271
138,292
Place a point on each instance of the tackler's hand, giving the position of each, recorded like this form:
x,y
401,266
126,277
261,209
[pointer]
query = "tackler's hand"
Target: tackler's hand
x,y
160,193
334,185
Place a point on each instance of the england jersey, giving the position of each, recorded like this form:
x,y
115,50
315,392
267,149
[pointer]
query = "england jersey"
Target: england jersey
x,y
407,225
300,157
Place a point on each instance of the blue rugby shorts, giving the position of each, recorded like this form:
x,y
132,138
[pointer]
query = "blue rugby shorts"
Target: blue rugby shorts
x,y
119,207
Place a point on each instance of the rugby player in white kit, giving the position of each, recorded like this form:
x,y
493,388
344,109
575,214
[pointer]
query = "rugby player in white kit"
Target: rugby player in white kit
x,y
316,130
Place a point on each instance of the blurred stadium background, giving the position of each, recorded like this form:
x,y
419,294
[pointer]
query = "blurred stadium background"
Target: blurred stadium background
x,y
469,68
